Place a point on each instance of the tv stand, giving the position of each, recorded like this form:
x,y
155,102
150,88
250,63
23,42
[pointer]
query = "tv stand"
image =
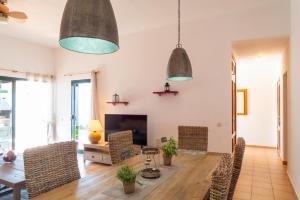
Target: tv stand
x,y
97,153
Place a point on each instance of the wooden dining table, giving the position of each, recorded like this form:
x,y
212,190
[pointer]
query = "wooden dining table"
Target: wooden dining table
x,y
191,181
12,175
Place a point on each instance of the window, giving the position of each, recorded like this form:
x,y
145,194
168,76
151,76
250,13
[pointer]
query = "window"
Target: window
x,y
25,113
81,111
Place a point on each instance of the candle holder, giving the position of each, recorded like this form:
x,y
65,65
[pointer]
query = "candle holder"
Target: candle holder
x,y
152,161
167,87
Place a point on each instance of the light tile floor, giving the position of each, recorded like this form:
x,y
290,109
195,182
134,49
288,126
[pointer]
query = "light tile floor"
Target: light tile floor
x,y
263,177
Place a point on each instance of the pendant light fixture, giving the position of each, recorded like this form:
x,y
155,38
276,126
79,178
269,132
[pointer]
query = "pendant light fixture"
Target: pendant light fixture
x,y
179,66
89,26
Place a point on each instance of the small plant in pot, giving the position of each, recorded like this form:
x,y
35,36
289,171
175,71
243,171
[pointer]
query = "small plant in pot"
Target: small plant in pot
x,y
127,176
169,149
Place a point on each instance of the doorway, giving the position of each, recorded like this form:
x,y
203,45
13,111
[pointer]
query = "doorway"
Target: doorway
x,y
80,111
260,65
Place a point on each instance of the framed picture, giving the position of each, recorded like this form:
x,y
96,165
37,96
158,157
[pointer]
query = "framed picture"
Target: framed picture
x,y
242,101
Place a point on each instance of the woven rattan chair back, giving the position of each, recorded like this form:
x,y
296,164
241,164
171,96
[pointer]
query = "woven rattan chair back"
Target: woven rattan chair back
x,y
51,166
120,146
193,138
221,178
237,165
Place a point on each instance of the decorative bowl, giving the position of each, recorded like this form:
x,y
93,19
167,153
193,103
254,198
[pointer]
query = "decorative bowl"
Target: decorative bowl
x,y
10,156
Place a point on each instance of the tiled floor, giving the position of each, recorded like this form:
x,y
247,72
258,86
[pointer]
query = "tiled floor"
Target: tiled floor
x,y
263,177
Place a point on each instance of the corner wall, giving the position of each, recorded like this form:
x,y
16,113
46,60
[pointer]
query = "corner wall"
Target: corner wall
x,y
294,99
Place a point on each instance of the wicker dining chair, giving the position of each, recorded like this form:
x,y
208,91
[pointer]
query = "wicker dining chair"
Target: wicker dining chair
x,y
120,146
51,166
221,177
193,138
237,165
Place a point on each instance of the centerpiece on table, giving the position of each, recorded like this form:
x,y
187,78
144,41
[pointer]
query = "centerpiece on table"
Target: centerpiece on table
x,y
169,150
9,156
127,176
151,169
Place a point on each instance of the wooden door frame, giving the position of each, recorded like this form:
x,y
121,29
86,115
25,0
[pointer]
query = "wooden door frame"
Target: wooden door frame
x,y
278,124
233,101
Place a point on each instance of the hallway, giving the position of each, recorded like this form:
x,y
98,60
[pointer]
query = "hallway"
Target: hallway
x,y
263,177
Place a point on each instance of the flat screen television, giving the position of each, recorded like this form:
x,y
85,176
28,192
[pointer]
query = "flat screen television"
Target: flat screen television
x,y
119,122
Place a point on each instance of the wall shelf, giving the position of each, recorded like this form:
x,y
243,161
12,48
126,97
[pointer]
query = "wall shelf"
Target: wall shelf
x,y
166,93
119,103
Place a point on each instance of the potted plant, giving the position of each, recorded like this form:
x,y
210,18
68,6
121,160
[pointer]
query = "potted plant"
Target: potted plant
x,y
127,176
169,149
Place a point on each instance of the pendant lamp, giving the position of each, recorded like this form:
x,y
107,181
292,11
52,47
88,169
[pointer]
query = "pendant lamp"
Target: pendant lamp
x,y
179,66
89,26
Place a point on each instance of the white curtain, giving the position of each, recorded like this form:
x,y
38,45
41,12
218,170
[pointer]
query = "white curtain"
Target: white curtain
x,y
95,81
34,112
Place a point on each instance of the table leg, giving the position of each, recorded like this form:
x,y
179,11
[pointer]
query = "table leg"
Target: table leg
x,y
17,194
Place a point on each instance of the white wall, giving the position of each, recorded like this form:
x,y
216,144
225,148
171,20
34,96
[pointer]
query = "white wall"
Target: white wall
x,y
139,68
294,99
259,127
25,56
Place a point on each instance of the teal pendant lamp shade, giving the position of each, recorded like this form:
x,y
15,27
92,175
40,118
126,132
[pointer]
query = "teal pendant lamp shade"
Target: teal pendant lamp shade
x,y
89,26
179,66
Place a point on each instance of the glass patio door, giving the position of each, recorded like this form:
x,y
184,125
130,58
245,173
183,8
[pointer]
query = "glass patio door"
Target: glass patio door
x,y
7,111
81,111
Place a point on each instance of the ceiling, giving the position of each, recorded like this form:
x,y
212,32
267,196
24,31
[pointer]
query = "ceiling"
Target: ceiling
x,y
260,48
132,15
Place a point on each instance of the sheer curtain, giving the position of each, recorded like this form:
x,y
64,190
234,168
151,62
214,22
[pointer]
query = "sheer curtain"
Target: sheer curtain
x,y
95,114
95,110
34,112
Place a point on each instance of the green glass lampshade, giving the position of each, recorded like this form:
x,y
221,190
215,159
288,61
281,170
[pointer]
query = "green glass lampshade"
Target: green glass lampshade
x,y
88,45
182,78
179,66
89,26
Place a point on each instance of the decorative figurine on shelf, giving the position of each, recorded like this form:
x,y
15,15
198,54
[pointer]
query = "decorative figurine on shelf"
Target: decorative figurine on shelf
x,y
10,156
116,98
167,87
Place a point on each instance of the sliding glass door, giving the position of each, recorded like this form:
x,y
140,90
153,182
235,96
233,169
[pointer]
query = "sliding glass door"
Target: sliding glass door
x,y
7,113
25,113
81,111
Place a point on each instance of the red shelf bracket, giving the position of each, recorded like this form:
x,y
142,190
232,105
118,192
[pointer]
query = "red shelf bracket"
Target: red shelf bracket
x,y
166,93
120,102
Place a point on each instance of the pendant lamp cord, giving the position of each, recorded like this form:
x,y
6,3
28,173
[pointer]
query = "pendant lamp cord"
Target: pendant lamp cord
x,y
179,15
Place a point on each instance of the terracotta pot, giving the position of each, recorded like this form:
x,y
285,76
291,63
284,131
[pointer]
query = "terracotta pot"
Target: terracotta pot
x,y
129,187
167,160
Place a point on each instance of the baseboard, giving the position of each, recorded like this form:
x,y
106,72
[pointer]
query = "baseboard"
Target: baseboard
x,y
293,185
258,146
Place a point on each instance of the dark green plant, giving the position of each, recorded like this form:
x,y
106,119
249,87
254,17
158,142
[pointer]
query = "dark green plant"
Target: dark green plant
x,y
169,148
126,174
